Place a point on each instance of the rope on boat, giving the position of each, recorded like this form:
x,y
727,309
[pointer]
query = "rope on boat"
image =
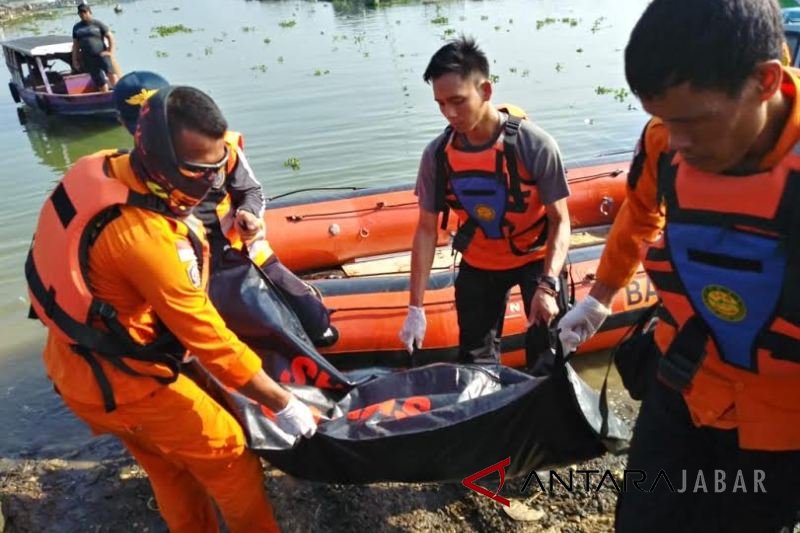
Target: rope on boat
x,y
378,206
310,189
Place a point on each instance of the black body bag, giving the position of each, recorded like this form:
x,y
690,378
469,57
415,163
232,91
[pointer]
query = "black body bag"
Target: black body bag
x,y
440,422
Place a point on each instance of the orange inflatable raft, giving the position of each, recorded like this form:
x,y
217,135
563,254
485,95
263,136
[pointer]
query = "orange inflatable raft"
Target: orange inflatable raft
x,y
354,247
369,301
333,227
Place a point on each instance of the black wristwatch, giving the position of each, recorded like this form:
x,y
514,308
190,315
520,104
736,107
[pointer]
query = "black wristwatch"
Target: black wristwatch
x,y
552,282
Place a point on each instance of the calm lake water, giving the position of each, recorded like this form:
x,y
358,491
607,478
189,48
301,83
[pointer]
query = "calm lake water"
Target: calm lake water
x,y
336,85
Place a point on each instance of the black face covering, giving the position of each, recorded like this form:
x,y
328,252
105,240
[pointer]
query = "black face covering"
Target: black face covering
x,y
154,160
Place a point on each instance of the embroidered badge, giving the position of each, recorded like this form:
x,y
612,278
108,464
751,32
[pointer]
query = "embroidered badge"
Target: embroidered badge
x,y
484,212
724,303
141,97
194,274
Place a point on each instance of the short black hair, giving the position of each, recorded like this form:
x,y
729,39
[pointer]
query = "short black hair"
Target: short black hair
x,y
460,56
712,44
84,7
192,109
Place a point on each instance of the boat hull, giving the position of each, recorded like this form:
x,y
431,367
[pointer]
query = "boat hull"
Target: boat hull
x,y
329,230
88,104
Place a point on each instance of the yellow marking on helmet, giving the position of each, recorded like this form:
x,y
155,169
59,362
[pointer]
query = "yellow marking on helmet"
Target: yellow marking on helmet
x,y
141,97
156,189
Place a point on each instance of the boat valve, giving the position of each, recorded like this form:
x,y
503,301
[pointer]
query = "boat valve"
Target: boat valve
x,y
334,229
363,233
606,205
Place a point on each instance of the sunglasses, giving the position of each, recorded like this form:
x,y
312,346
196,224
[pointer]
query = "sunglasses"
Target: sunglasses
x,y
211,172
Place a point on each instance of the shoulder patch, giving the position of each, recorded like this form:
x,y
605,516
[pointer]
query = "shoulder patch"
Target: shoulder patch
x,y
194,274
185,252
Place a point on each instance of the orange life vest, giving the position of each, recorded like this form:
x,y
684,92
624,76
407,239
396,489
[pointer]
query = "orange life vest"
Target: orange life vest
x,y
71,219
218,216
502,222
727,269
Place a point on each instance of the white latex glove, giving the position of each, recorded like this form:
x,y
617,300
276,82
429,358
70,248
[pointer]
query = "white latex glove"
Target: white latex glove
x,y
296,419
413,329
581,322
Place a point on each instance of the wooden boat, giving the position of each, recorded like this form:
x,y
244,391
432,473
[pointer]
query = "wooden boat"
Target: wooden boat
x,y
369,301
331,228
37,81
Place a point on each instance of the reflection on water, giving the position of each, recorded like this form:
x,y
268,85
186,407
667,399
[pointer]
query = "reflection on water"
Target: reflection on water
x,y
336,85
59,142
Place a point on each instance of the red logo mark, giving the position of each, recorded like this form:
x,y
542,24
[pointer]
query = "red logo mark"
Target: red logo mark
x,y
500,467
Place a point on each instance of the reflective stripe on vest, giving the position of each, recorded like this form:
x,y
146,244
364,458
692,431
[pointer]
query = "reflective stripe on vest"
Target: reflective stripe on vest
x,y
218,216
723,266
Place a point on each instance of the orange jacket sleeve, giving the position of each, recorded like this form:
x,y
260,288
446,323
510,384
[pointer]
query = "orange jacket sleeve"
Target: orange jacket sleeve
x,y
640,219
163,270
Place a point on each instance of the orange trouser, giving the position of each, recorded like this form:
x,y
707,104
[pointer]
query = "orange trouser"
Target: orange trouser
x,y
192,450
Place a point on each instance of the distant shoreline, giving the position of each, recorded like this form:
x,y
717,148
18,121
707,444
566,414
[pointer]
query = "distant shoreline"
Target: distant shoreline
x,y
18,12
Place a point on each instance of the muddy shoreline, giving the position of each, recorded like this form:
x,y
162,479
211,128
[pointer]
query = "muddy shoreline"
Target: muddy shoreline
x,y
99,488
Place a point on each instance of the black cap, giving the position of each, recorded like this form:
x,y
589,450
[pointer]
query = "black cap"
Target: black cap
x,y
133,90
84,7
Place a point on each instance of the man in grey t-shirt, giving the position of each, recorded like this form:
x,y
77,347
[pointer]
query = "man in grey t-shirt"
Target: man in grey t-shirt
x,y
90,52
504,179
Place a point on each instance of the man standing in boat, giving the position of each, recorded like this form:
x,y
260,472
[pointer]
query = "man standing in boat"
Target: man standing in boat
x,y
117,272
713,206
93,49
503,177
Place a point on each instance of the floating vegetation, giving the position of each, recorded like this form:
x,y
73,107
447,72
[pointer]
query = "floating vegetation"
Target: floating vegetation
x,y
280,59
248,29
449,31
366,54
267,40
497,28
164,31
512,70
208,50
526,73
442,20
540,23
293,163
320,72
484,17
619,94
218,39
596,26
579,50
291,23
176,8
494,78
260,68
511,21
161,53
559,67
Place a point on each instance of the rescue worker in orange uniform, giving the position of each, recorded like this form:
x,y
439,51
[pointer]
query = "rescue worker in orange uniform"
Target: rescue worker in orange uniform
x,y
713,210
233,210
503,177
117,272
